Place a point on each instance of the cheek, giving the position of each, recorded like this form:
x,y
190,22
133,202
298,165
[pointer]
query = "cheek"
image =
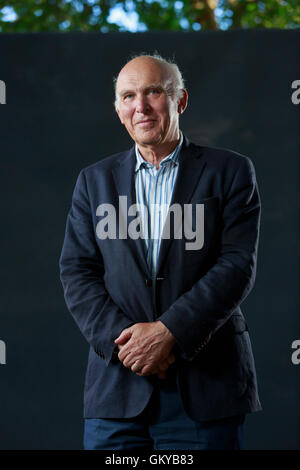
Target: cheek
x,y
165,118
127,116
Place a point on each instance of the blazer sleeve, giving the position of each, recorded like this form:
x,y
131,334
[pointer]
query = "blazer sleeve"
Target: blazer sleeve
x,y
81,272
197,314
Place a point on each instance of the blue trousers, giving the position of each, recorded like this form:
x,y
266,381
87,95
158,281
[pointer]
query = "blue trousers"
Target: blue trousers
x,y
163,424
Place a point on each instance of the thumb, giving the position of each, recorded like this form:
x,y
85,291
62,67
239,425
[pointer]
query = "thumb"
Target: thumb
x,y
124,336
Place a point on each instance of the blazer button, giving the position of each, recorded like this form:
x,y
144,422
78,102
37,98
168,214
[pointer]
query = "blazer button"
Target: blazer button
x,y
148,282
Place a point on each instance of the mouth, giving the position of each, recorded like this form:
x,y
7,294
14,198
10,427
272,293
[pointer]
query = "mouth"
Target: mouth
x,y
145,123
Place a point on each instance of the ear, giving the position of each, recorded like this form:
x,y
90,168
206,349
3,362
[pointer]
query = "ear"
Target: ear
x,y
119,114
183,101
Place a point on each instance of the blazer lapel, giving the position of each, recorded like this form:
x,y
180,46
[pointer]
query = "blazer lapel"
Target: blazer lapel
x,y
190,169
123,174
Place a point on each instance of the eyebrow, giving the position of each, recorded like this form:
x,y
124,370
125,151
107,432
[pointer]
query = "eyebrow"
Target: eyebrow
x,y
155,85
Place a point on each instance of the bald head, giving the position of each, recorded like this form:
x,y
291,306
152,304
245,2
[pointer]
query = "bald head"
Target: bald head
x,y
170,75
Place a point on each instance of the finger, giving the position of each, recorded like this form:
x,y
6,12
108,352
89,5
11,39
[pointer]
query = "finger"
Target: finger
x,y
154,368
122,355
162,366
161,374
124,352
124,336
171,358
129,360
146,370
136,367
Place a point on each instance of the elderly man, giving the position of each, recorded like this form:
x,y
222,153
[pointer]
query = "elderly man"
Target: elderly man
x,y
170,363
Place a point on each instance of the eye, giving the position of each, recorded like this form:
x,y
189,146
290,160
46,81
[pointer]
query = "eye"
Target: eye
x,y
128,96
154,91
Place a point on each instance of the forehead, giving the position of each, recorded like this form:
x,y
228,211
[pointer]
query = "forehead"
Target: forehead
x,y
140,75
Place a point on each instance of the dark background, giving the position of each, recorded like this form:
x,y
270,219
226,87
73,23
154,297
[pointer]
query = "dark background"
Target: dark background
x,y
59,118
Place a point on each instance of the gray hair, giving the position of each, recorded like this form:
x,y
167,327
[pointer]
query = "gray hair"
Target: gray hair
x,y
174,84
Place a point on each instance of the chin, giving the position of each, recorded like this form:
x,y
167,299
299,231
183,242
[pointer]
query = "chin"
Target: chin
x,y
148,140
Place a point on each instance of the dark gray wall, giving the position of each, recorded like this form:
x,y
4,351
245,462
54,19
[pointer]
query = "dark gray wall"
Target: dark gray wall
x,y
58,119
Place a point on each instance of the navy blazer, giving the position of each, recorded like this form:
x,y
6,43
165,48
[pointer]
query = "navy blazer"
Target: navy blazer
x,y
107,286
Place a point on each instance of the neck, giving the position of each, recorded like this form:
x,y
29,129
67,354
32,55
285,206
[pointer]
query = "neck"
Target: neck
x,y
156,153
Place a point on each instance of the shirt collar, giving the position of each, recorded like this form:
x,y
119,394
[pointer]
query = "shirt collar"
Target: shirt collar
x,y
174,156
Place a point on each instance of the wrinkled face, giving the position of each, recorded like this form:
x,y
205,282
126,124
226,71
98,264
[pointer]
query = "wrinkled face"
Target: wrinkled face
x,y
146,106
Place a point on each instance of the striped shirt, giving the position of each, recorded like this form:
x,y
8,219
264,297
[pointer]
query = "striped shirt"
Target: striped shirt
x,y
154,190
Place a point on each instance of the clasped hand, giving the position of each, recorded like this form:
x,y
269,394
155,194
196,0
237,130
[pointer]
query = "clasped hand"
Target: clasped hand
x,y
145,348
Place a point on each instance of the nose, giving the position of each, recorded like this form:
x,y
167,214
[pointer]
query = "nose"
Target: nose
x,y
142,104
